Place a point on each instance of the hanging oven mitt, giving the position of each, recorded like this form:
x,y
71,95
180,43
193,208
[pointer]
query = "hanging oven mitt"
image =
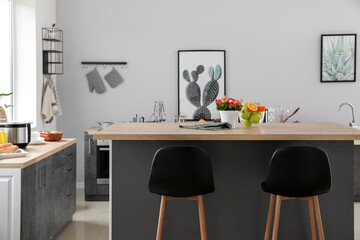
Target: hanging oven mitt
x,y
114,78
95,81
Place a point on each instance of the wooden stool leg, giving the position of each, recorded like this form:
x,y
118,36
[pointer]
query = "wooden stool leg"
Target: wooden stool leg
x,y
161,217
202,218
276,217
269,218
318,218
312,219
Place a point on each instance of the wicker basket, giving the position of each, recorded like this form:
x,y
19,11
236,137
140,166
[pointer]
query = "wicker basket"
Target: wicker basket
x,y
51,136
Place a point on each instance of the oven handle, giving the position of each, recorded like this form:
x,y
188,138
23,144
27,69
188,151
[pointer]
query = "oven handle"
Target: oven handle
x,y
104,149
89,146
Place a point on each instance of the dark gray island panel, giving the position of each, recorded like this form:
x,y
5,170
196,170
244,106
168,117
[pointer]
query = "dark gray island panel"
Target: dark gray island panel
x,y
238,207
357,173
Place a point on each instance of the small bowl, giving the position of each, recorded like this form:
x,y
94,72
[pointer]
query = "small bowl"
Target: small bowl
x,y
48,136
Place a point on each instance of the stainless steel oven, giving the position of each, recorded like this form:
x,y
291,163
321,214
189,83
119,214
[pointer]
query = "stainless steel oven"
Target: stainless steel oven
x,y
103,161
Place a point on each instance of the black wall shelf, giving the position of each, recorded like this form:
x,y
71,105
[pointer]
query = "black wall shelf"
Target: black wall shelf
x,y
52,43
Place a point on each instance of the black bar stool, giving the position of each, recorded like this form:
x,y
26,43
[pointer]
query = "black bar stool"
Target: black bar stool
x,y
297,172
181,172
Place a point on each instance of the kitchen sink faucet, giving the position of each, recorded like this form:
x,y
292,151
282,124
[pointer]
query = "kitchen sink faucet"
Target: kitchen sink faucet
x,y
352,123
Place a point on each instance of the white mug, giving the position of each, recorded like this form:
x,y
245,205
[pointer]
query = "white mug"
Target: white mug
x,y
35,135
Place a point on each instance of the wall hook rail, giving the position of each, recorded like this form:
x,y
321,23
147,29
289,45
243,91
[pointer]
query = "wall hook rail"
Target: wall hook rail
x,y
103,63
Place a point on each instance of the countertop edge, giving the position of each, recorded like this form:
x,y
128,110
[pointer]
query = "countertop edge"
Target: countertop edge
x,y
36,159
265,131
226,138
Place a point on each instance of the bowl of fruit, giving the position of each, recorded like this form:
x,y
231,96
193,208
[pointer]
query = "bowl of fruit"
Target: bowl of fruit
x,y
51,136
251,113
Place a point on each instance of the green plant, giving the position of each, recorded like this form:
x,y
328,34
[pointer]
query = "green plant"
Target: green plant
x,y
338,60
2,95
3,116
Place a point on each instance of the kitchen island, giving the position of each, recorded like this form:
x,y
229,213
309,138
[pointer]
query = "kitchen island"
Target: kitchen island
x,y
240,157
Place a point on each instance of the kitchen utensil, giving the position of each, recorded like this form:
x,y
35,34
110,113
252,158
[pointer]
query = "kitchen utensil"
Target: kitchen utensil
x,y
104,125
278,112
18,133
292,114
17,153
113,78
95,81
138,119
40,140
158,112
49,136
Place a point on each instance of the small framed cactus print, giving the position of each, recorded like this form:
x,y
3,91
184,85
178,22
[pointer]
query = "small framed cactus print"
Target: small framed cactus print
x,y
338,58
201,80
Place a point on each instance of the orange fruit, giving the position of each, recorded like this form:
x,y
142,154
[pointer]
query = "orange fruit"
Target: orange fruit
x,y
252,107
261,108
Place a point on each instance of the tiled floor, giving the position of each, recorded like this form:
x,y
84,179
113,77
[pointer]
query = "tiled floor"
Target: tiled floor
x,y
91,221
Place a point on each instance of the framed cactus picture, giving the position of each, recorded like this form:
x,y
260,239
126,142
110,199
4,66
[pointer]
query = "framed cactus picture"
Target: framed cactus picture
x,y
201,80
338,58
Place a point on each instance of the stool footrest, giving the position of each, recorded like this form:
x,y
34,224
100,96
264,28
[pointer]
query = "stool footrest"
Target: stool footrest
x,y
176,198
199,198
301,198
313,202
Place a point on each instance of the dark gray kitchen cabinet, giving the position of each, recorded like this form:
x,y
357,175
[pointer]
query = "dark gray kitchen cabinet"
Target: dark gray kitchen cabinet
x,y
93,190
48,195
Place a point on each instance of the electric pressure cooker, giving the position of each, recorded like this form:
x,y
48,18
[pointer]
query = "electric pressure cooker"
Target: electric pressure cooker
x,y
17,133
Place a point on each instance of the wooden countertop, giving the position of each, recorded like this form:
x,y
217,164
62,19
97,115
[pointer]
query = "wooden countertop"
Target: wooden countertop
x,y
264,131
93,130
37,153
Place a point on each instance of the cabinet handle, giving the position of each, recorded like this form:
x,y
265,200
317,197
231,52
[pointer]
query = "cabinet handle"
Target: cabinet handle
x,y
44,176
68,170
39,178
68,155
89,146
67,196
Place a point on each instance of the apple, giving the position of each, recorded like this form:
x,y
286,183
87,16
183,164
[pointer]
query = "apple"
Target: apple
x,y
247,123
255,117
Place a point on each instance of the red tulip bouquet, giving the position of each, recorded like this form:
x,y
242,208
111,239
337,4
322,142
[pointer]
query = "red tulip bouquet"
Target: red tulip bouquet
x,y
228,104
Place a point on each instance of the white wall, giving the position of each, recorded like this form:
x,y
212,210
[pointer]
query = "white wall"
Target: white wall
x,y
273,55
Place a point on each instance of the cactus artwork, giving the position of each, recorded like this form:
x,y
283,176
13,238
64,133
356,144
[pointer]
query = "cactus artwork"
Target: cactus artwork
x,y
201,79
338,58
210,91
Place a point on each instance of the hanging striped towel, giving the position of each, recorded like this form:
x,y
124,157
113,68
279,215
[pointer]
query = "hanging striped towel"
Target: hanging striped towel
x,y
50,107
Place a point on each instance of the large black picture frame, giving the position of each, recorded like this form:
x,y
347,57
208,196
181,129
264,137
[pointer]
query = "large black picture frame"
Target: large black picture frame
x,y
190,60
326,75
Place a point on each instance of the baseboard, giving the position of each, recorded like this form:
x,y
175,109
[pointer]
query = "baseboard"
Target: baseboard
x,y
80,184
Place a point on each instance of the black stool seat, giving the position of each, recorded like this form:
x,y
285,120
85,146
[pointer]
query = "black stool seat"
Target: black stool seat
x,y
181,171
298,171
